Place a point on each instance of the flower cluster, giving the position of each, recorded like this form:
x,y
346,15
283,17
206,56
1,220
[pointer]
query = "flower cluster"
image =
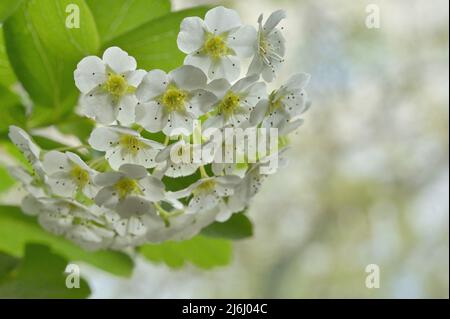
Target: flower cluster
x,y
142,182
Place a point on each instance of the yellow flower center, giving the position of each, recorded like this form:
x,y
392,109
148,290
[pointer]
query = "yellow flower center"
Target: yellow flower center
x,y
215,46
131,143
205,187
174,99
80,176
127,186
117,86
229,104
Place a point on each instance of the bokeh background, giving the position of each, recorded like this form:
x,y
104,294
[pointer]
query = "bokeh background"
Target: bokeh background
x,y
368,176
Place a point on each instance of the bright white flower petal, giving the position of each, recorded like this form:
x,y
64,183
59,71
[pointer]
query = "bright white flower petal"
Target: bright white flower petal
x,y
153,84
243,41
191,36
221,19
90,73
119,60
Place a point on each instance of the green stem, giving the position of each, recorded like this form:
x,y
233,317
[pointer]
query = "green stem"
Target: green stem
x,y
203,172
71,148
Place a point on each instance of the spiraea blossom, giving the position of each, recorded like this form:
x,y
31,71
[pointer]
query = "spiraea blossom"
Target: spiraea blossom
x,y
108,86
235,102
171,102
270,47
68,173
123,145
217,43
148,174
284,104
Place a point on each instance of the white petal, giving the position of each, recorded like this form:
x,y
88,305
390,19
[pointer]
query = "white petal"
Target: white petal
x,y
219,87
226,67
179,124
214,122
276,119
259,112
297,81
78,161
90,73
54,162
228,180
103,138
153,188
153,84
119,60
117,156
273,20
31,206
181,169
192,33
132,206
188,77
224,213
202,203
126,109
243,41
201,102
134,78
244,83
62,186
23,141
291,126
108,178
151,116
220,20
107,197
146,157
100,106
133,171
200,61
256,65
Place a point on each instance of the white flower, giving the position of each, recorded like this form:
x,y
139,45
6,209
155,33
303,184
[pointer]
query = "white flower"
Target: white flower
x,y
108,86
129,190
209,193
26,145
123,145
235,101
78,223
271,49
216,43
68,174
252,181
30,183
170,102
284,104
230,153
183,159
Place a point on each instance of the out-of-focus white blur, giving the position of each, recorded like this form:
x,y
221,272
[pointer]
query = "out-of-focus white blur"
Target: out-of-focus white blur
x,y
367,180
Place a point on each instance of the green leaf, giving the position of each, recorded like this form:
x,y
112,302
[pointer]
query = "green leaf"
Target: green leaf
x,y
55,24
47,78
40,274
154,44
201,251
78,126
7,7
7,76
6,181
11,109
17,229
237,227
7,264
116,17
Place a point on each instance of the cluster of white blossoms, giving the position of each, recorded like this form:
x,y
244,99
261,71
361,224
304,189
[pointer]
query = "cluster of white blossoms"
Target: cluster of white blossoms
x,y
141,182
